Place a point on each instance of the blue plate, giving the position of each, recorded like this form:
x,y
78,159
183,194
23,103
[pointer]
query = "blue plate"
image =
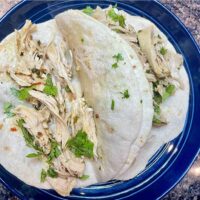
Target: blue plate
x,y
173,160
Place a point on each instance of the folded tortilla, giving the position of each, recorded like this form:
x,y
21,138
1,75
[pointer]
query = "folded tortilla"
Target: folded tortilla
x,y
174,111
12,145
94,47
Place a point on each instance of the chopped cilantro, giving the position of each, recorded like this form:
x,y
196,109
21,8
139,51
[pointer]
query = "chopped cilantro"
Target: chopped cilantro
x,y
113,105
84,177
157,98
29,139
55,151
157,109
88,10
80,145
52,173
49,88
22,94
115,65
7,107
113,15
116,18
43,175
163,51
33,155
118,57
121,20
170,89
125,94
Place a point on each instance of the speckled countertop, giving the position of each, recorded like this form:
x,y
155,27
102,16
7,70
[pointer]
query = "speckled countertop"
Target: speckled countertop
x,y
189,12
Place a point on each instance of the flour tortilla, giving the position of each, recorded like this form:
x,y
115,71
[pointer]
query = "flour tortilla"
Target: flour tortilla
x,y
94,46
13,149
174,109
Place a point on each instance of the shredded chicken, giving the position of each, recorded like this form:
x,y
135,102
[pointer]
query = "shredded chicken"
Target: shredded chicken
x,y
62,133
51,119
34,123
81,117
68,165
61,185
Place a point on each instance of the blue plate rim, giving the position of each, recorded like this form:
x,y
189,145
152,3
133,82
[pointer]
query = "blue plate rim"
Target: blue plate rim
x,y
23,2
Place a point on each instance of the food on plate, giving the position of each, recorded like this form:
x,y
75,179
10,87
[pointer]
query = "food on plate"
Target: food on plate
x,y
88,97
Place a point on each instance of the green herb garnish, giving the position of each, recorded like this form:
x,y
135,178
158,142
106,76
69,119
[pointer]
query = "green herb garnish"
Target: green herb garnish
x,y
163,51
80,145
157,98
115,65
116,18
118,57
125,94
22,94
112,105
52,173
43,175
33,155
170,89
55,151
29,139
49,88
7,107
157,109
82,40
84,177
88,10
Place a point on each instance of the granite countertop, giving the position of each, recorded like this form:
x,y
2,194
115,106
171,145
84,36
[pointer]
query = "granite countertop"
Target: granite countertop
x,y
189,12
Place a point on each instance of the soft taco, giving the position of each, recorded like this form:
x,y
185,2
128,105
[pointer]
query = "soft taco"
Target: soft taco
x,y
165,73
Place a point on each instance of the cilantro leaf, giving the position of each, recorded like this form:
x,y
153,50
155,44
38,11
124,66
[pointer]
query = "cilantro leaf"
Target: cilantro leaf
x,y
33,155
80,145
116,18
7,107
115,65
43,175
170,89
125,94
52,173
113,15
121,20
49,88
55,151
157,109
88,10
22,94
118,57
163,51
157,98
112,105
29,139
84,177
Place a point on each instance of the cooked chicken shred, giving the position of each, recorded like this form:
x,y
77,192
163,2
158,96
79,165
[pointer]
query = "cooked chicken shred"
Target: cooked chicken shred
x,y
56,113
